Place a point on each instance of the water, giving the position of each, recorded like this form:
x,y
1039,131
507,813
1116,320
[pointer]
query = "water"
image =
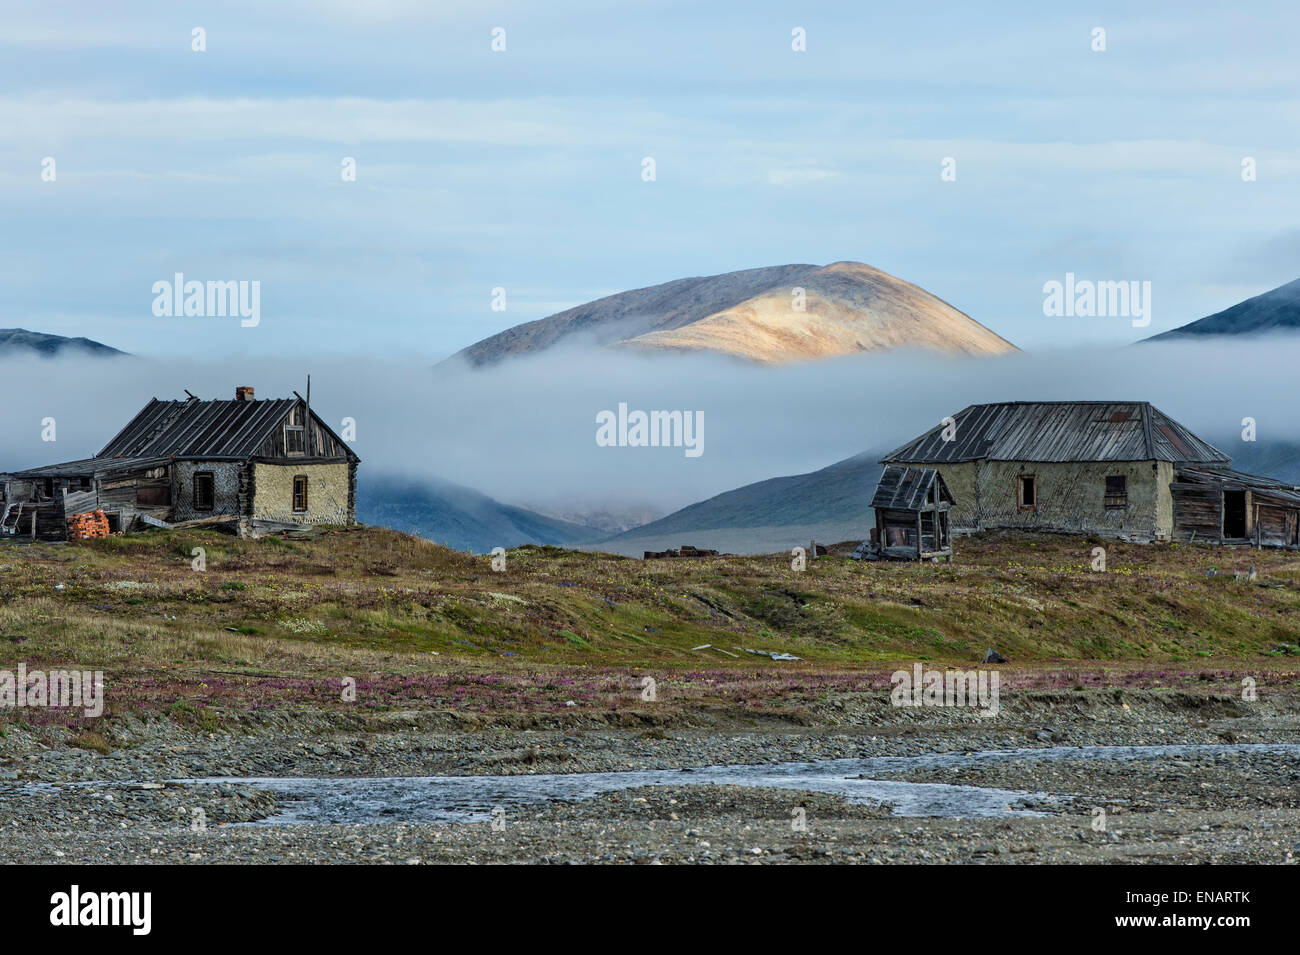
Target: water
x,y
422,799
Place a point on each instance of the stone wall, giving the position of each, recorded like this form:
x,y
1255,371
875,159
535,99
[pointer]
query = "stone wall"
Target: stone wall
x,y
1071,497
1164,500
327,493
225,480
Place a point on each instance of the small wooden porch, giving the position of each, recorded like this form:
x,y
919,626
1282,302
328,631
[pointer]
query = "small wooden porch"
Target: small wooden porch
x,y
911,506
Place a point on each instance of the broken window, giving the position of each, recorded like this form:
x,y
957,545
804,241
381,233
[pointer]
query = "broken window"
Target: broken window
x,y
205,493
1028,491
300,492
1116,490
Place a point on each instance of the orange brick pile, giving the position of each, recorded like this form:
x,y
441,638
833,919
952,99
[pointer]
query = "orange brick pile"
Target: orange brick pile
x,y
89,524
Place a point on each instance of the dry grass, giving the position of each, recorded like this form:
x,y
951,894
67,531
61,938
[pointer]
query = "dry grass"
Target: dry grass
x,y
275,622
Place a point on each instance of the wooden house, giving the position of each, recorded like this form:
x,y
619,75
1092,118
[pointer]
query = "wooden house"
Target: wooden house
x,y
1121,469
912,514
255,465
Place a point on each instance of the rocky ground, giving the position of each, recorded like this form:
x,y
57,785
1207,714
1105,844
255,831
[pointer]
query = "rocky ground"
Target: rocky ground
x,y
666,825
122,800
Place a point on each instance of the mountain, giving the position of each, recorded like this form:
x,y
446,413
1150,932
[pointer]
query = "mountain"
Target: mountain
x,y
751,314
1276,310
828,506
18,341
1275,459
608,519
459,517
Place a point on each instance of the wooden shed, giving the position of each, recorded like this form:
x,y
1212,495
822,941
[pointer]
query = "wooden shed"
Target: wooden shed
x,y
1220,505
912,520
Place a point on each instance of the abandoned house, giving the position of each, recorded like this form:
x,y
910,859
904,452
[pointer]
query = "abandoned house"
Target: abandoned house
x,y
253,465
912,521
1123,469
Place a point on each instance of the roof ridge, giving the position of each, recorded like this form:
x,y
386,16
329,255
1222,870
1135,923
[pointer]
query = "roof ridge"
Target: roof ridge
x,y
1088,401
1059,431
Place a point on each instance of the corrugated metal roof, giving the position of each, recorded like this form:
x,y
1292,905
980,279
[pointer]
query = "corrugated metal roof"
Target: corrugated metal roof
x,y
199,429
905,489
1061,431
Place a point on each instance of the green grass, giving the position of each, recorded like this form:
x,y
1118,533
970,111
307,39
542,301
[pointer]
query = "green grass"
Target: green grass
x,y
361,597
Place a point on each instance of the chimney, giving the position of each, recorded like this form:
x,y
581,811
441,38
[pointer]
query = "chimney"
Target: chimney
x,y
243,393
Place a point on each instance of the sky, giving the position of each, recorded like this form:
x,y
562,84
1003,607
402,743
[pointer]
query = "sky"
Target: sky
x,y
522,169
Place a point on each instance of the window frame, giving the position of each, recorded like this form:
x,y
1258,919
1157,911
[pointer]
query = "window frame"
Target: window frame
x,y
211,477
1020,491
306,484
1111,499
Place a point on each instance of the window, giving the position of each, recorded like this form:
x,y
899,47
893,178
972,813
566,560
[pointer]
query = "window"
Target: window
x,y
205,494
294,433
300,492
160,496
1116,490
1028,492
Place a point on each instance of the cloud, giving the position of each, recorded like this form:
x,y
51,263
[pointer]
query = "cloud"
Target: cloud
x,y
794,177
524,431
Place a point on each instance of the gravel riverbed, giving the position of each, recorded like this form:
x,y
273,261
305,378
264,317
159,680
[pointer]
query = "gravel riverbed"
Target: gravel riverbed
x,y
63,803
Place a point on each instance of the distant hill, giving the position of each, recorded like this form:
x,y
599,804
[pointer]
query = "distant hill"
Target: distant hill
x,y
1277,310
829,505
1275,459
17,341
848,307
459,517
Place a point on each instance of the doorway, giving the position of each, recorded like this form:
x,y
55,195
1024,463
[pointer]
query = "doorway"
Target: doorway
x,y
1234,514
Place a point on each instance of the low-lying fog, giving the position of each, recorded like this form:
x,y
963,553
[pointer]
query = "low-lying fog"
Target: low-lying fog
x,y
525,431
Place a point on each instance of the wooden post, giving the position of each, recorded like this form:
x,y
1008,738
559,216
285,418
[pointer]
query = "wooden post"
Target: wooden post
x,y
33,525
918,535
306,422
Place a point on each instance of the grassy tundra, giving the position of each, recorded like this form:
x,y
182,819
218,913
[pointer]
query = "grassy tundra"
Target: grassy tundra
x,y
279,624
